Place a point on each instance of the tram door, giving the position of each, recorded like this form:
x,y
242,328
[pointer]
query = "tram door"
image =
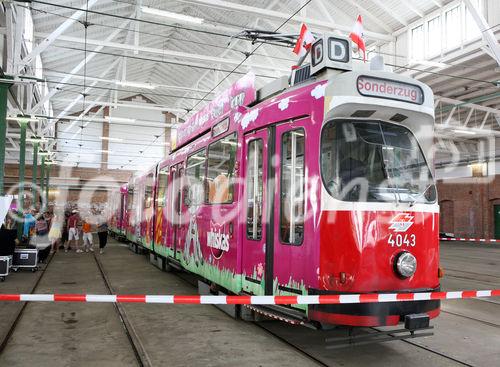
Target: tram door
x,y
176,172
257,266
291,206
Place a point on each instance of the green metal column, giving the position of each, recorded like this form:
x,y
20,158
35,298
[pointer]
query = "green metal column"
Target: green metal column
x,y
34,172
42,176
22,160
35,162
47,187
4,90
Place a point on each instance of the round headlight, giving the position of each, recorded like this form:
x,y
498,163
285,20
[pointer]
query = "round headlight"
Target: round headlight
x,y
406,264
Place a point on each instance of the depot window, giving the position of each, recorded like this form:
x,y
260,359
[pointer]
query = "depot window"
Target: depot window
x,y
374,161
292,187
162,186
195,175
220,174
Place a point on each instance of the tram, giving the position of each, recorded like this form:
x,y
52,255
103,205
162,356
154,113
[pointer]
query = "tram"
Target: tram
x,y
317,183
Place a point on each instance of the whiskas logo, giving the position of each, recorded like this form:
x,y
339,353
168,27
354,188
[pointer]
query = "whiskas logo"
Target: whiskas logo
x,y
401,222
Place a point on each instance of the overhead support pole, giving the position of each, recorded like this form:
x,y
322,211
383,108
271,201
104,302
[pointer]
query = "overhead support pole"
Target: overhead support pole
x,y
42,46
4,90
486,30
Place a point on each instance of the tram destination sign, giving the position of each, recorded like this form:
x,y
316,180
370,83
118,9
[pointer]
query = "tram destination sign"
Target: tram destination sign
x,y
390,89
241,93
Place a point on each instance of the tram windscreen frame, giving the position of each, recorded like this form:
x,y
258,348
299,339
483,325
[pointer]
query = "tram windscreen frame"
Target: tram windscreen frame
x,y
374,161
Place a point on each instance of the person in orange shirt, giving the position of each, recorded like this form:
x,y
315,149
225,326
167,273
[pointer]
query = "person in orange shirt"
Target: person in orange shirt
x,y
87,235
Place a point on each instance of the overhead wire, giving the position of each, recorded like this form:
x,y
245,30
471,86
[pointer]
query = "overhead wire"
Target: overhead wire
x,y
167,37
237,66
179,63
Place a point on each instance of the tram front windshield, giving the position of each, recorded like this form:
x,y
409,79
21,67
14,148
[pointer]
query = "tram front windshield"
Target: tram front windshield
x,y
374,161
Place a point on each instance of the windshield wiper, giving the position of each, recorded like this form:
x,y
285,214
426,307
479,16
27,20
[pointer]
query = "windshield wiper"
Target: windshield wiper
x,y
421,194
395,190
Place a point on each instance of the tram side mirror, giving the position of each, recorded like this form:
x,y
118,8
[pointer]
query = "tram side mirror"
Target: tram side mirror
x,y
331,52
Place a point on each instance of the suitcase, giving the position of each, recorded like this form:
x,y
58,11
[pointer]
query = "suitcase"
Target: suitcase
x,y
5,262
25,258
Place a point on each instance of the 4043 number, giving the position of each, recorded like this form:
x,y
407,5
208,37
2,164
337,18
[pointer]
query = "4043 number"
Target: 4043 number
x,y
400,240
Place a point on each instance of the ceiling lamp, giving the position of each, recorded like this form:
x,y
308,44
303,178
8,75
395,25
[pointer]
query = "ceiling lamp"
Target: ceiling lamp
x,y
22,118
174,16
110,139
119,119
126,83
36,139
468,132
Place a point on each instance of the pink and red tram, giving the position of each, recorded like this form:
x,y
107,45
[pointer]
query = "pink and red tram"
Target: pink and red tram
x,y
117,206
317,184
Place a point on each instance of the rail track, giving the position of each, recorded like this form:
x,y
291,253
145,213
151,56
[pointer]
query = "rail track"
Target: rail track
x,y
137,346
22,307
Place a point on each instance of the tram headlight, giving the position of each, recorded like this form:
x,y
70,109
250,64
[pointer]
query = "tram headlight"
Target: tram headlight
x,y
405,264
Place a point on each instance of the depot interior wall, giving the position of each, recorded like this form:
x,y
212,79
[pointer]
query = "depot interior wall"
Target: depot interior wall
x,y
77,186
142,146
77,145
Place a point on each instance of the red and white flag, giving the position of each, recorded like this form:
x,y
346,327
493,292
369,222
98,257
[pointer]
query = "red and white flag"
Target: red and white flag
x,y
357,36
304,41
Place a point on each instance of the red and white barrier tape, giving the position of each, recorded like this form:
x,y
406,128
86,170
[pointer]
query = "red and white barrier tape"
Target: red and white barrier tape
x,y
467,239
252,300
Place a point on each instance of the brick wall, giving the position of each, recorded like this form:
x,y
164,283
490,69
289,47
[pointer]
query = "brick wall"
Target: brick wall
x,y
467,205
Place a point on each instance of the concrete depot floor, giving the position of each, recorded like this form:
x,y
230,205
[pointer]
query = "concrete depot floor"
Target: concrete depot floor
x,y
72,334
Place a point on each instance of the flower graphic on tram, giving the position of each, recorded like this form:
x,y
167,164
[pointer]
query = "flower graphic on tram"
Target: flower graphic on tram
x,y
283,105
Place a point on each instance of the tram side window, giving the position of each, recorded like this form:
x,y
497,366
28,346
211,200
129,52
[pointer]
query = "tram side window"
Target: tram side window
x,y
148,191
254,186
162,186
292,187
195,175
221,159
130,198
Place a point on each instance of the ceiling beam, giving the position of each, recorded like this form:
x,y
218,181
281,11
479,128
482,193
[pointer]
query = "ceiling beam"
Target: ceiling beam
x,y
458,103
79,97
390,12
165,52
413,8
280,16
78,67
486,31
370,16
42,46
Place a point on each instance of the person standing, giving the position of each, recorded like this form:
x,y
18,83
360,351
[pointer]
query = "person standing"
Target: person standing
x,y
28,226
87,235
73,231
55,233
65,234
102,232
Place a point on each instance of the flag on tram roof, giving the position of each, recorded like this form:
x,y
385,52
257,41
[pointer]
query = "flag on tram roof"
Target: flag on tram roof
x,y
357,36
304,41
